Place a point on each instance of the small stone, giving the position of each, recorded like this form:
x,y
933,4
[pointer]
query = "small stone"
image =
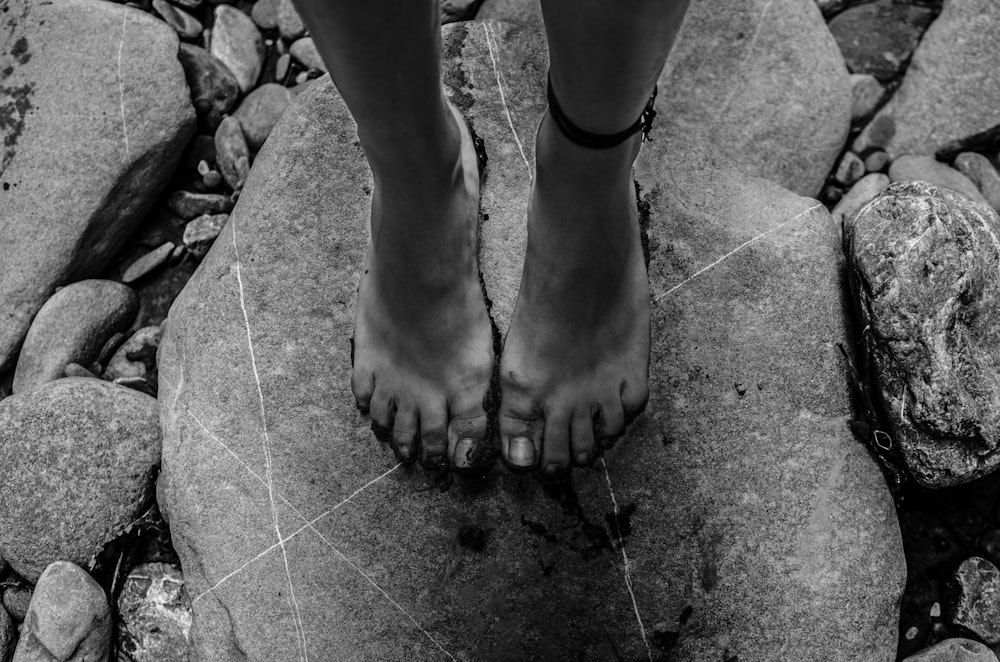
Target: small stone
x,y
980,170
71,327
975,599
202,231
188,205
289,22
8,636
954,650
831,194
281,66
850,169
232,152
866,93
911,168
912,632
214,88
186,25
78,462
301,77
155,613
211,179
453,11
16,600
147,263
77,370
935,611
878,38
923,262
260,111
136,358
864,190
304,50
265,14
68,619
876,161
236,41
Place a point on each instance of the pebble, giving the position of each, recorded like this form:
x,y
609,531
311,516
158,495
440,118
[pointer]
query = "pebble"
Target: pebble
x,y
265,14
232,152
72,327
187,4
188,205
68,619
301,78
289,22
304,50
8,636
186,25
155,614
850,169
78,462
260,111
877,38
147,263
975,595
911,168
16,600
954,650
863,191
200,233
281,67
214,88
77,370
876,161
866,92
141,347
931,305
980,170
236,41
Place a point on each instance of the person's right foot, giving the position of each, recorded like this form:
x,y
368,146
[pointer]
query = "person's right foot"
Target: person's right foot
x,y
423,344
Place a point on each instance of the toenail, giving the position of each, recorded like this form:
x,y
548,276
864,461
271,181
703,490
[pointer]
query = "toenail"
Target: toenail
x,y
405,453
582,457
521,452
463,450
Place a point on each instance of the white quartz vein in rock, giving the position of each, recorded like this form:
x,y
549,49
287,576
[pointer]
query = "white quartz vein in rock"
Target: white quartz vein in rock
x,y
121,87
503,97
296,613
660,296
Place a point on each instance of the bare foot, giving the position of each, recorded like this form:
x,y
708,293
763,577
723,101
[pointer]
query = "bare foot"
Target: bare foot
x,y
423,353
575,362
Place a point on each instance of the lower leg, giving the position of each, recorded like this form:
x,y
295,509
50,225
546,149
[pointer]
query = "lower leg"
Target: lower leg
x,y
575,362
423,341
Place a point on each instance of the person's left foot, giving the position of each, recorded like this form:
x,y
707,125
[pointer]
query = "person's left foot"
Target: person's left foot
x,y
575,362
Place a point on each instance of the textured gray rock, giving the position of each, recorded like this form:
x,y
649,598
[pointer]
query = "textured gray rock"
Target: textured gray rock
x,y
857,196
148,263
202,231
92,134
849,169
214,88
924,264
289,22
77,462
265,14
975,599
304,50
8,636
879,37
188,205
142,347
186,25
260,111
68,619
236,41
72,327
866,93
16,600
155,614
981,172
913,168
954,650
522,12
949,90
232,152
759,527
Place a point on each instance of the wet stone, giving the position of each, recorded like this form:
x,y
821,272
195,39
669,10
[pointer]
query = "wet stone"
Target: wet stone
x,y
214,88
975,599
148,263
232,154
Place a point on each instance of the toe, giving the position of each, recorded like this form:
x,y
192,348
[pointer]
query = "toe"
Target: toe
x,y
382,408
609,423
363,386
434,437
520,441
581,432
405,433
468,443
635,395
555,442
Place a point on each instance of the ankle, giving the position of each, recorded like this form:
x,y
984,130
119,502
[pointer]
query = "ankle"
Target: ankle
x,y
430,150
561,161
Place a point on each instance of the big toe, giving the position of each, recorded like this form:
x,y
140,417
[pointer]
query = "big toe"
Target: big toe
x,y
520,441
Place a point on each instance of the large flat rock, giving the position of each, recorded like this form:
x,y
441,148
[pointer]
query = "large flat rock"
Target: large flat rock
x,y
753,525
94,112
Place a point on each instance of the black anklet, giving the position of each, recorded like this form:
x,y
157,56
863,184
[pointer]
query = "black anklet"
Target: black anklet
x,y
601,140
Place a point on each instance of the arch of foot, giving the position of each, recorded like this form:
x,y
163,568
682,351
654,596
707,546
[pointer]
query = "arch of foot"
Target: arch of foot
x,y
737,520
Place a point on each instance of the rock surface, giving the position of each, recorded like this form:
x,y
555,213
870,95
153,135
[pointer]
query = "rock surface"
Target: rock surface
x,y
981,172
8,636
878,37
141,347
68,620
866,93
775,539
954,650
924,264
214,88
260,111
77,462
913,168
949,90
975,599
73,326
236,41
16,600
857,196
155,614
91,136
